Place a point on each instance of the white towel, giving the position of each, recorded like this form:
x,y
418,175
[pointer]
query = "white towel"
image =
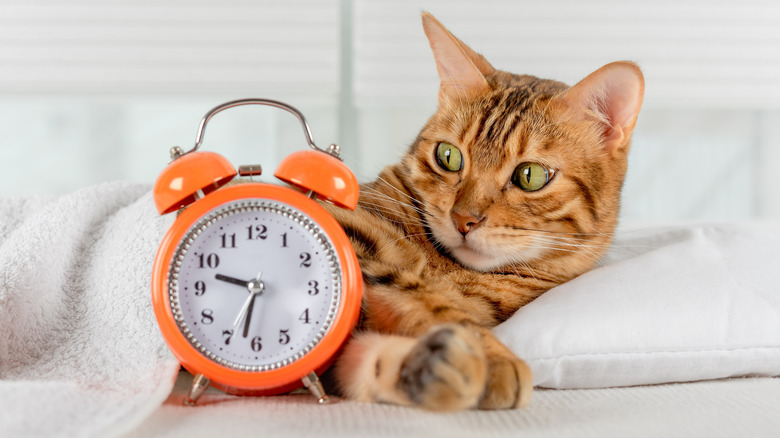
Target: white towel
x,y
80,351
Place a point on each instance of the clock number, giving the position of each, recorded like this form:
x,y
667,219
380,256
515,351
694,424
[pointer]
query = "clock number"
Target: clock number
x,y
228,334
306,259
257,232
200,288
314,287
228,240
304,317
284,240
211,260
284,338
207,316
256,344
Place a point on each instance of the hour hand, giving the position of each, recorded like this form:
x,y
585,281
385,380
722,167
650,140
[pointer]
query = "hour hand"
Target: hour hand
x,y
232,280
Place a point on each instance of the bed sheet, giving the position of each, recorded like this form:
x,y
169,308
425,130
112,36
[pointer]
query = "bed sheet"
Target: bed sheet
x,y
742,407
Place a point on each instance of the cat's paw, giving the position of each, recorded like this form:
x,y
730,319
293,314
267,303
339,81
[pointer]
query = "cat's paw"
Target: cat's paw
x,y
446,370
509,384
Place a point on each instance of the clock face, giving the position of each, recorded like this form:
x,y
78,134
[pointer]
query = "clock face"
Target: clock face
x,y
254,285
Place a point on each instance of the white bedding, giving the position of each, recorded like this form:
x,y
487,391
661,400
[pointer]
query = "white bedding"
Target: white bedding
x,y
734,408
81,354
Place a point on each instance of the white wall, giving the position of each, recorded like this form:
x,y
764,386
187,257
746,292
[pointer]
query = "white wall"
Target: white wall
x,y
94,91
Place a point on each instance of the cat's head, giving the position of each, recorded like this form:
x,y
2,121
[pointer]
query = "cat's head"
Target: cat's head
x,y
513,169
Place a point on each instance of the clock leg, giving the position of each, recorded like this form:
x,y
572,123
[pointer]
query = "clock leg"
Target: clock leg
x,y
313,384
199,385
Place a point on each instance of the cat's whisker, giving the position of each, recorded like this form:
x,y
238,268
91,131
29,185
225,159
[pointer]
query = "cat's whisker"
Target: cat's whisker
x,y
386,197
568,239
384,181
569,244
416,235
374,191
399,222
562,240
588,254
405,219
526,268
560,244
387,206
542,244
562,232
627,249
588,245
389,199
436,244
621,247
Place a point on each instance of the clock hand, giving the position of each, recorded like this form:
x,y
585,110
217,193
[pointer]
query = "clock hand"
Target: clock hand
x,y
248,317
256,288
232,280
257,281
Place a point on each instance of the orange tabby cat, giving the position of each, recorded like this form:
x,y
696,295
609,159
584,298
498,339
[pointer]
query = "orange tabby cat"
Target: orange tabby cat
x,y
511,188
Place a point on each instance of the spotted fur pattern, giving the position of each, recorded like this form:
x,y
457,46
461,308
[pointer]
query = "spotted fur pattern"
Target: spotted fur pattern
x,y
447,255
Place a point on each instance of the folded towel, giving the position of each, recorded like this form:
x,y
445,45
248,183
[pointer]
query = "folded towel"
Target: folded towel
x,y
80,351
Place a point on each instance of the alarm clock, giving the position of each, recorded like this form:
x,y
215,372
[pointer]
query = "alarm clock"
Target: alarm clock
x,y
255,287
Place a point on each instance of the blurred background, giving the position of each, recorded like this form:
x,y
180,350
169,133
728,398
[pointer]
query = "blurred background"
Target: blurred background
x,y
99,90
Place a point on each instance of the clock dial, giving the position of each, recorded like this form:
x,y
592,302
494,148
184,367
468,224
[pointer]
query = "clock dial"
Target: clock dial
x,y
254,285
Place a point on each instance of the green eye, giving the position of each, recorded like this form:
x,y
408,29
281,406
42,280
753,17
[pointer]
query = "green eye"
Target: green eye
x,y
449,157
530,176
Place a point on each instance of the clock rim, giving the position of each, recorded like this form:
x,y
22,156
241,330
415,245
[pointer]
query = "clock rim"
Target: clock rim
x,y
212,219
284,377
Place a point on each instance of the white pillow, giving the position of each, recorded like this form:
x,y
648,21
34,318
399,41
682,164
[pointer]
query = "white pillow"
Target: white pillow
x,y
667,305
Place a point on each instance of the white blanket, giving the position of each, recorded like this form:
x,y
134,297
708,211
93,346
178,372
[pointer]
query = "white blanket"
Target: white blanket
x,y
80,352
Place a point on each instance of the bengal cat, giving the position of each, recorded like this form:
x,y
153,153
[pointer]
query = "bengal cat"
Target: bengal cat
x,y
511,188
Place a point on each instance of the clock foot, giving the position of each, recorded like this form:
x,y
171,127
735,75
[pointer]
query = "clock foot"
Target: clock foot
x,y
313,384
199,385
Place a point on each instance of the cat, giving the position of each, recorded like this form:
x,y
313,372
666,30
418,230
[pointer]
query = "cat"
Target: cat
x,y
511,188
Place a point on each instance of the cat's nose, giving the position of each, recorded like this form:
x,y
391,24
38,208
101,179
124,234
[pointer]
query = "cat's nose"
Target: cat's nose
x,y
466,222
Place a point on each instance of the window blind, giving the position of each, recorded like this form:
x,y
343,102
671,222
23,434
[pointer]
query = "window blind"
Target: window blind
x,y
694,53
170,47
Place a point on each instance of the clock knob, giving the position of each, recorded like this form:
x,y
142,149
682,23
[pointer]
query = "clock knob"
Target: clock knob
x,y
323,174
189,178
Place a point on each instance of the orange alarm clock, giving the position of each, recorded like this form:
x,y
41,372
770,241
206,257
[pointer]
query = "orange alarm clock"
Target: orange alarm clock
x,y
255,287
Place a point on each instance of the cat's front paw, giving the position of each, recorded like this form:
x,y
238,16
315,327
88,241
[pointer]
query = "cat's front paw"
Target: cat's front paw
x,y
446,370
509,384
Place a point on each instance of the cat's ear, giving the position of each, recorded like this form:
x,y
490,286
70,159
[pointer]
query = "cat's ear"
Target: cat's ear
x,y
611,95
461,70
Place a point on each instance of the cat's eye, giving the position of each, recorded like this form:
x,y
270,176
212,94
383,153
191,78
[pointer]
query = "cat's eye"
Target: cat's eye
x,y
449,157
531,176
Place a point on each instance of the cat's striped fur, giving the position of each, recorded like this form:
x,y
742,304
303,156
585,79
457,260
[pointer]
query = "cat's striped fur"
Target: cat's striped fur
x,y
447,255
